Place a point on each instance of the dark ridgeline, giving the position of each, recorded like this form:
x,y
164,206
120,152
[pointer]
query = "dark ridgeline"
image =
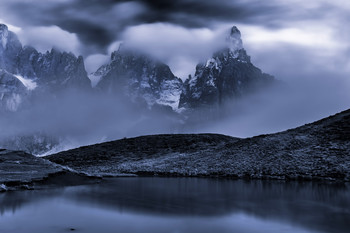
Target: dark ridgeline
x,y
316,151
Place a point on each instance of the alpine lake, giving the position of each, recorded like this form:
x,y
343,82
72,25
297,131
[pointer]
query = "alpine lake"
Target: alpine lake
x,y
179,205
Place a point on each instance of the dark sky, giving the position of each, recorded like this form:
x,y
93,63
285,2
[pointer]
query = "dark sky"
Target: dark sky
x,y
99,23
304,43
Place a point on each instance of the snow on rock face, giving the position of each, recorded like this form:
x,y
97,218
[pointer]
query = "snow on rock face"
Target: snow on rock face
x,y
170,93
3,35
28,83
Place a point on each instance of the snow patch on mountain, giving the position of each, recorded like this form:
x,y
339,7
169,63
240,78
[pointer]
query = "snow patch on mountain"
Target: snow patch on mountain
x,y
28,83
170,94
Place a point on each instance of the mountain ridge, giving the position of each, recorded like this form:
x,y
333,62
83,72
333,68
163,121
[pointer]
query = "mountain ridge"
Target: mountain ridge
x,y
140,77
28,77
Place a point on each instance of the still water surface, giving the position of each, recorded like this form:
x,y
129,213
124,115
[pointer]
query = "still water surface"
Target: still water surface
x,y
179,205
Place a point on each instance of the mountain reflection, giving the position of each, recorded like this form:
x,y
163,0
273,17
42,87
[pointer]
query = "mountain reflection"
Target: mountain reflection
x,y
318,206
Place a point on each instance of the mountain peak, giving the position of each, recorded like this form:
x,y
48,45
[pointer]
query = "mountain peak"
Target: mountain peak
x,y
234,31
3,27
3,35
234,40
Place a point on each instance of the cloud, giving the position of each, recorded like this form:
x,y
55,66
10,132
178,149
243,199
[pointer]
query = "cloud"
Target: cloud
x,y
44,38
180,47
11,27
310,36
96,23
95,61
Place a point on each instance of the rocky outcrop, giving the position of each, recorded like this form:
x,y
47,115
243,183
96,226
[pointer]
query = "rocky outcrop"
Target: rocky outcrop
x,y
229,74
19,170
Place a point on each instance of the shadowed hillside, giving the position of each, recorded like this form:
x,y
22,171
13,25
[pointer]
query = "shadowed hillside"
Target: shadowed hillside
x,y
319,150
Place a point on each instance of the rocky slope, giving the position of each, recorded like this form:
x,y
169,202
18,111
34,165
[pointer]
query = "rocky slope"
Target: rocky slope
x,y
317,151
227,75
112,158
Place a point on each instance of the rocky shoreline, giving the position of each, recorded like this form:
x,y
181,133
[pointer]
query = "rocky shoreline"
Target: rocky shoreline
x,y
22,171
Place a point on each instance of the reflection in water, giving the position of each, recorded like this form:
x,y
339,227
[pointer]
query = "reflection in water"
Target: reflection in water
x,y
180,205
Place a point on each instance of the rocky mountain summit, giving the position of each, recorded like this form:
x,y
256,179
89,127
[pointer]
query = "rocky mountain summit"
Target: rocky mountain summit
x,y
227,75
140,78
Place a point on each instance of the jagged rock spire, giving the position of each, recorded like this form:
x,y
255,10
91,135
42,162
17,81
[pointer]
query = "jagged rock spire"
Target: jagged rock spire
x,y
234,41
